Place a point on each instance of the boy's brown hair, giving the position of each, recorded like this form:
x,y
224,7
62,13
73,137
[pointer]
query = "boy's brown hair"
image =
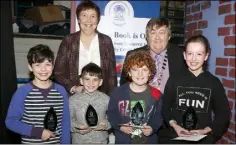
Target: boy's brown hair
x,y
139,59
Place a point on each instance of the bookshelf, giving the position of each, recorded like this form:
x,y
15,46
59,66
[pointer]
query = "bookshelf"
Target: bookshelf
x,y
174,11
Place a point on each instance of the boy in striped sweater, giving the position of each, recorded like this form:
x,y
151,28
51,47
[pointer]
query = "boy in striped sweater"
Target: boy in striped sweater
x,y
31,102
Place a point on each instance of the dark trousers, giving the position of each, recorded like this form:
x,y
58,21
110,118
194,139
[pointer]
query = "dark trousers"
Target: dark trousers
x,y
165,136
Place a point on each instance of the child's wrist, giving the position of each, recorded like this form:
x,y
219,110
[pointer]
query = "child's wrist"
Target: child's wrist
x,y
207,130
172,123
73,90
37,132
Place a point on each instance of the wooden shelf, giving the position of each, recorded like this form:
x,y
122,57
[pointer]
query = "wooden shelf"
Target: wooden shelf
x,y
20,6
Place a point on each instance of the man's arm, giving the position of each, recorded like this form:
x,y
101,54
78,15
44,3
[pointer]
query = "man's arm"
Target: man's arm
x,y
167,101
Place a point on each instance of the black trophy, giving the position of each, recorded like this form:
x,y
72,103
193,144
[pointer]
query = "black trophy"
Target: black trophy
x,y
91,116
50,120
137,114
190,119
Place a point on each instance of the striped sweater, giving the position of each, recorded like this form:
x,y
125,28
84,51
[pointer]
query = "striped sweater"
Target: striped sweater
x,y
28,108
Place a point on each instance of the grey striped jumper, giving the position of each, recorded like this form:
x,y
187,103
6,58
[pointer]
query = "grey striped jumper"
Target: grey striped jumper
x,y
36,107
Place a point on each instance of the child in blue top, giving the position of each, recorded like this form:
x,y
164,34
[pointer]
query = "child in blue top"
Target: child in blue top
x,y
31,102
134,109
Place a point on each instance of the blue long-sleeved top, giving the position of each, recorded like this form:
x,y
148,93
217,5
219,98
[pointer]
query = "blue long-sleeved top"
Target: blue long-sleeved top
x,y
121,94
17,107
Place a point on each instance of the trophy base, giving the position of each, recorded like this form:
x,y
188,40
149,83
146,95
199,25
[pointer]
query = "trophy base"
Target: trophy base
x,y
86,128
92,128
134,126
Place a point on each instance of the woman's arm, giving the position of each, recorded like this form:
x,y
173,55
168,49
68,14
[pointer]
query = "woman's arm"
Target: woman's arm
x,y
62,65
112,68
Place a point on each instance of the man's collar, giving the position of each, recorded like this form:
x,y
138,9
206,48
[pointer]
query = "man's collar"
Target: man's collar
x,y
153,54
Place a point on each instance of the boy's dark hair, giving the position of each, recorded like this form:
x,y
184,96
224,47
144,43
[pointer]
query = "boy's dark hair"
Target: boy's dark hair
x,y
91,69
39,53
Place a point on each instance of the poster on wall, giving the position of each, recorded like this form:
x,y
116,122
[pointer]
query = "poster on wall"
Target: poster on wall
x,y
125,22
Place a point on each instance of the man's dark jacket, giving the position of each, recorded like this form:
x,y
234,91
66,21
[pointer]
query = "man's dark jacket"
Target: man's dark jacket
x,y
175,57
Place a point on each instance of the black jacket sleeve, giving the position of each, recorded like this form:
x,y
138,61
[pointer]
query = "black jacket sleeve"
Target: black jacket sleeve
x,y
221,110
167,100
